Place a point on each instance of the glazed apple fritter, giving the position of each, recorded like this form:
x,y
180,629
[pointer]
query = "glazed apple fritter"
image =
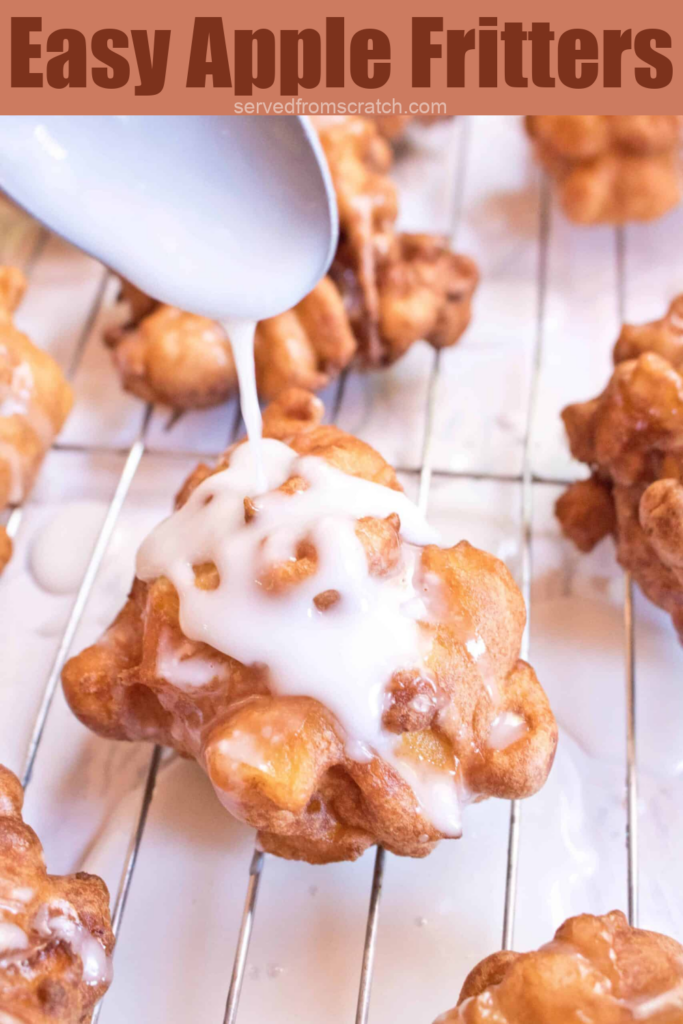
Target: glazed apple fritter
x,y
385,291
56,940
631,436
611,168
473,718
596,969
35,400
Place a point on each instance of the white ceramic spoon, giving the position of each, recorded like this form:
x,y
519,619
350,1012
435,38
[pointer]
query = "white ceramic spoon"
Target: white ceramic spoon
x,y
222,216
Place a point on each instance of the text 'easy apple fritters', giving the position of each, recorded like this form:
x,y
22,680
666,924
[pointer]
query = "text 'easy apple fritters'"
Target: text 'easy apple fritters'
x,y
596,969
342,678
35,400
56,940
632,438
385,291
611,168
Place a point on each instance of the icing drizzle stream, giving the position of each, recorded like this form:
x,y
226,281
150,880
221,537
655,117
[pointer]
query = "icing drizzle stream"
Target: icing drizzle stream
x,y
241,334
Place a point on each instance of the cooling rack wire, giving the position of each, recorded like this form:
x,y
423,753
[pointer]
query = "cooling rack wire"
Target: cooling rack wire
x,y
526,479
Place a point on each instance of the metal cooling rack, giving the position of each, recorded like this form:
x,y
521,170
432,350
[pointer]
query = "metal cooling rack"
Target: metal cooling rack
x,y
526,479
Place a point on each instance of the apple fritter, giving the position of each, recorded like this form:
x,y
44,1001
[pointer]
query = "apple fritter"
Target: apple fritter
x,y
631,437
342,678
611,168
185,361
35,400
56,940
596,969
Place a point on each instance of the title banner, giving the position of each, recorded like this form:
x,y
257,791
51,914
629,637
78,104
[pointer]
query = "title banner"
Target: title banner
x,y
369,57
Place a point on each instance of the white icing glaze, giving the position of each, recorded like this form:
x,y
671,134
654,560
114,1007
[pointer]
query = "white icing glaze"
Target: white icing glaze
x,y
12,937
506,728
241,335
187,673
13,899
22,893
62,547
245,749
344,656
66,926
649,1008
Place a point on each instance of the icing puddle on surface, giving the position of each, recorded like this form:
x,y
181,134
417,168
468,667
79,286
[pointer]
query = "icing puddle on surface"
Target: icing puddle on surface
x,y
62,546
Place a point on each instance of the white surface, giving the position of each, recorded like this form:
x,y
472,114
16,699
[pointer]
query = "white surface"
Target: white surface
x,y
438,917
254,192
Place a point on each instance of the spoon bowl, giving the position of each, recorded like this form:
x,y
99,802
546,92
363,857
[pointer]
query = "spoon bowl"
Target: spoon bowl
x,y
221,215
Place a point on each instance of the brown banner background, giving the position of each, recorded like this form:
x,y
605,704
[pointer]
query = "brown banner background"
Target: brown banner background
x,y
393,18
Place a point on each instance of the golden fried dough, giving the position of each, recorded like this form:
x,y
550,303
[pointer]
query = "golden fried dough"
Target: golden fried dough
x,y
306,347
35,400
384,292
359,160
586,511
631,436
596,969
424,291
471,716
56,940
172,357
398,288
5,547
186,361
611,168
665,337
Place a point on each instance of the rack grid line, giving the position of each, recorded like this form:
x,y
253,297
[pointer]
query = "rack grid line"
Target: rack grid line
x,y
527,513
526,479
630,660
488,476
